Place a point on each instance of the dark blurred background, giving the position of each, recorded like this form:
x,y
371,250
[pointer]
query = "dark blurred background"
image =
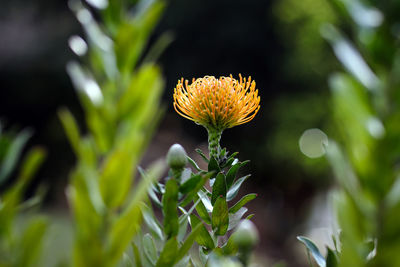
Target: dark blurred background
x,y
276,42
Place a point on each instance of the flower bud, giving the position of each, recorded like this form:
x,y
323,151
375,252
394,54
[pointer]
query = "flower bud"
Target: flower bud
x,y
246,235
176,157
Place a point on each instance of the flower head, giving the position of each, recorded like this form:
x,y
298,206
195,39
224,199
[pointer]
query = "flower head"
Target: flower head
x,y
217,103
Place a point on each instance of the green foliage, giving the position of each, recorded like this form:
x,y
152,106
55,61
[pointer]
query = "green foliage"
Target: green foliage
x,y
220,218
170,208
300,24
312,248
184,193
11,149
219,188
120,94
20,245
331,257
365,105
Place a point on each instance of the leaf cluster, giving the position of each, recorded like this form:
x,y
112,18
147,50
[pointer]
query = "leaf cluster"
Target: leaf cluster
x,y
200,200
119,88
20,243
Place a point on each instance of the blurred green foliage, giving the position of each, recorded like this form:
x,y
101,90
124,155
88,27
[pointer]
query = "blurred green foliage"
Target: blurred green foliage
x,y
365,158
307,56
20,244
119,90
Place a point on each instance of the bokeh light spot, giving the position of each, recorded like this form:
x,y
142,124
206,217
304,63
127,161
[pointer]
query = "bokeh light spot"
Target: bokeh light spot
x,y
78,45
312,143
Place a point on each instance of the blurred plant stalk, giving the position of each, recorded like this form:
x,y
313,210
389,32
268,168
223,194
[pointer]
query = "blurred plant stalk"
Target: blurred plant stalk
x,y
119,88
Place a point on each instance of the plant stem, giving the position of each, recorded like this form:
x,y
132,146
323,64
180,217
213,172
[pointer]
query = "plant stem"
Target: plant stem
x,y
214,136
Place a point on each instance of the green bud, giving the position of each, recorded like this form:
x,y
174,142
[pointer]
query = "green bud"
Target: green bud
x,y
246,235
177,157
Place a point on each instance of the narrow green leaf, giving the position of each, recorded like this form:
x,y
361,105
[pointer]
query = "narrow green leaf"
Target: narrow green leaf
x,y
71,129
170,208
347,54
153,174
193,263
161,44
11,199
220,216
152,223
184,219
194,164
119,163
313,249
230,160
183,226
13,153
203,255
203,238
90,178
149,248
186,175
219,188
342,169
136,254
34,201
186,214
231,174
213,165
30,244
190,184
235,188
184,249
202,154
126,261
126,226
132,39
31,163
168,254
154,197
234,218
331,260
184,262
206,201
123,231
192,194
242,202
203,213
250,216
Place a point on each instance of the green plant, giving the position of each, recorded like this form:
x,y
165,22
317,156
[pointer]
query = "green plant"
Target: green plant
x,y
365,106
206,192
20,243
119,89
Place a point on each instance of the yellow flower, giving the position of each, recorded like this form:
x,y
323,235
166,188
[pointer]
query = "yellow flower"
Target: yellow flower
x,y
217,103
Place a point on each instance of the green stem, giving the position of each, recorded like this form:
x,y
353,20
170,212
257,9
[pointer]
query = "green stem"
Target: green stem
x,y
176,173
214,136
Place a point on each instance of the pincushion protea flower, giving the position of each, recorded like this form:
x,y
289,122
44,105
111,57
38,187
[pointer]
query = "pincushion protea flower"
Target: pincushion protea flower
x,y
217,104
